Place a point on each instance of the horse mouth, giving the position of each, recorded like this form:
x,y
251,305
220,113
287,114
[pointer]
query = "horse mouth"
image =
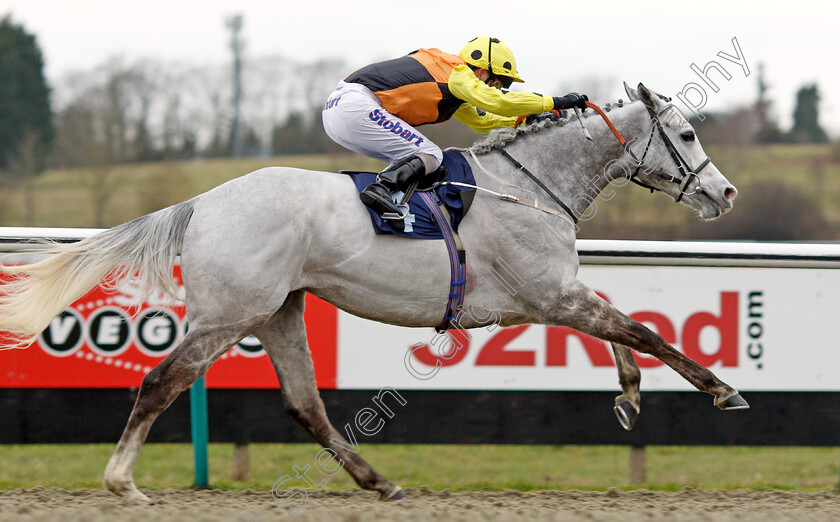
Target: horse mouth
x,y
718,209
703,208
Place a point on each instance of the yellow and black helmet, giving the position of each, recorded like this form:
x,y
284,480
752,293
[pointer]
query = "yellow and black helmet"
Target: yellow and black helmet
x,y
489,53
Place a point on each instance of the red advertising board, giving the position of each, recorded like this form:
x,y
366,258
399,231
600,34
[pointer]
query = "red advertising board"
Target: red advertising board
x,y
759,329
106,341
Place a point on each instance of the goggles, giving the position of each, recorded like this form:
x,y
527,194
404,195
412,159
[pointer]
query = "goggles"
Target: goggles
x,y
500,82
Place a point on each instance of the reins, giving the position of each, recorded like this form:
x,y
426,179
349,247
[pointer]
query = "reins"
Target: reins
x,y
589,105
609,123
548,191
687,174
509,197
528,173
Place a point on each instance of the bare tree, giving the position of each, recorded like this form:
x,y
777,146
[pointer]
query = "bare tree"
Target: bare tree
x,y
94,130
213,115
144,109
269,81
317,80
143,85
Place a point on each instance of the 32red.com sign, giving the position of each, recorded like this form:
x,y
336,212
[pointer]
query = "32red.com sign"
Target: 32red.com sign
x,y
761,329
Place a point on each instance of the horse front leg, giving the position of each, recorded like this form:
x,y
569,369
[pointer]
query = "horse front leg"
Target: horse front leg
x,y
582,309
629,403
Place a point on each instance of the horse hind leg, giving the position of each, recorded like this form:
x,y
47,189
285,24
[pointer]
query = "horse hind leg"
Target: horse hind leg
x,y
187,362
284,339
628,404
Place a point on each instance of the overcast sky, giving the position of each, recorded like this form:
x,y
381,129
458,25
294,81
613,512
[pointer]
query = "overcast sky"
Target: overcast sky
x,y
555,42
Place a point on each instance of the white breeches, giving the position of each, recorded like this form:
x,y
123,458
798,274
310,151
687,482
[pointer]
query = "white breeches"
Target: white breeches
x,y
354,118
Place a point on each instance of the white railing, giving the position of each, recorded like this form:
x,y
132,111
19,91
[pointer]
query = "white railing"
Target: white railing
x,y
591,251
709,253
15,239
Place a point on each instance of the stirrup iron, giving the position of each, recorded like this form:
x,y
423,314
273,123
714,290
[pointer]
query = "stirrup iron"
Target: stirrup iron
x,y
402,205
391,216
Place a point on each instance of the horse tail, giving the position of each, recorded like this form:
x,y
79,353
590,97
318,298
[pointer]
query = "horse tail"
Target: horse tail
x,y
145,249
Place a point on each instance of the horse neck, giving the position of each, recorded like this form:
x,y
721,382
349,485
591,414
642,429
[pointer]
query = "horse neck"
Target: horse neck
x,y
577,169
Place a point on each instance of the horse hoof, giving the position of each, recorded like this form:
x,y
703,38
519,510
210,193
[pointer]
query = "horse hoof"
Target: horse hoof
x,y
626,414
734,402
396,495
127,490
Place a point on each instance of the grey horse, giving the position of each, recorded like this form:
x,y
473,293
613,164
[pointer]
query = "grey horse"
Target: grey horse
x,y
251,249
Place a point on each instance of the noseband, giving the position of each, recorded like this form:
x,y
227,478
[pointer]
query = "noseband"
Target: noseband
x,y
686,173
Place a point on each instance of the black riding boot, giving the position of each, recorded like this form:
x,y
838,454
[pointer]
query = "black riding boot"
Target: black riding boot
x,y
379,194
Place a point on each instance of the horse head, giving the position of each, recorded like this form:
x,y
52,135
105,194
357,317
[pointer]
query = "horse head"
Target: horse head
x,y
670,158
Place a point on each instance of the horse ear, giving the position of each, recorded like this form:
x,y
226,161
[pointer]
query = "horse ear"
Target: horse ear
x,y
650,99
631,92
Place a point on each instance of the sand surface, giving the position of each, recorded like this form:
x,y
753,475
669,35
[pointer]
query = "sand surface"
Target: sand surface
x,y
355,505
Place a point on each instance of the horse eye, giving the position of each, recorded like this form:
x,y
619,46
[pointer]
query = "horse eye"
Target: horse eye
x,y
687,136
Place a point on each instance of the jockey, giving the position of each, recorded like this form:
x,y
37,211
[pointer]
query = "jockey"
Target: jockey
x,y
375,110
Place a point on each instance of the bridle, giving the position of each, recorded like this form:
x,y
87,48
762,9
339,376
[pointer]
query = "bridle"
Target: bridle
x,y
683,180
686,173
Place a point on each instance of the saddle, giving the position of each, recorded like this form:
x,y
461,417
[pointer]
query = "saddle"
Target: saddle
x,y
420,222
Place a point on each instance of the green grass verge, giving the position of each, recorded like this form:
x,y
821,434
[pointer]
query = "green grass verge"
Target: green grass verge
x,y
68,197
87,197
454,467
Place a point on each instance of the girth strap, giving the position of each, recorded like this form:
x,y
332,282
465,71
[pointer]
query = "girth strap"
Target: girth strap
x,y
457,261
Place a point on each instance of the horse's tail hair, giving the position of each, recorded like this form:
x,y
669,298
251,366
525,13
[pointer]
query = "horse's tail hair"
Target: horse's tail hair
x,y
144,249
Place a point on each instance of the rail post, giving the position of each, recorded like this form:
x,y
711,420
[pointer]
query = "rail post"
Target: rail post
x,y
198,417
638,464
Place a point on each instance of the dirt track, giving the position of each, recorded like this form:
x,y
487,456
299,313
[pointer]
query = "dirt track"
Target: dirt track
x,y
354,505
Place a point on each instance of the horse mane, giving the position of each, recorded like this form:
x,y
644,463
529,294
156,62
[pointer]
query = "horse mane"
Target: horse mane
x,y
499,138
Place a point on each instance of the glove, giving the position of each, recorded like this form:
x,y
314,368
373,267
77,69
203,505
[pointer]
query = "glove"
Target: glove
x,y
545,116
571,100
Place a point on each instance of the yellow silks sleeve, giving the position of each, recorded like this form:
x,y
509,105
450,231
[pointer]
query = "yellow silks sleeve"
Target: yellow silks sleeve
x,y
480,120
464,85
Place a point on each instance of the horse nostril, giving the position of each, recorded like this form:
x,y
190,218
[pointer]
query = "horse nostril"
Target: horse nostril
x,y
730,193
